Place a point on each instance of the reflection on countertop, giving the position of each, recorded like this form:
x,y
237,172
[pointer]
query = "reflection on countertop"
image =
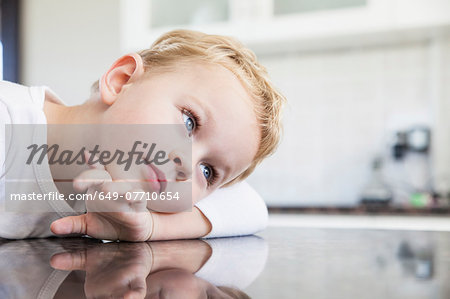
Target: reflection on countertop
x,y
319,263
283,262
83,267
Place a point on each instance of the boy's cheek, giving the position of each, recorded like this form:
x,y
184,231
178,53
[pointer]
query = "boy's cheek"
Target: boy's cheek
x,y
197,193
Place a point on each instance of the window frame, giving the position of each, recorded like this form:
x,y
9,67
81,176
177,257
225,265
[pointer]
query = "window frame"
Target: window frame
x,y
10,39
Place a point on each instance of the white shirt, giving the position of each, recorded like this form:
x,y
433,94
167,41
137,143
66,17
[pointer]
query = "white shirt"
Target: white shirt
x,y
232,211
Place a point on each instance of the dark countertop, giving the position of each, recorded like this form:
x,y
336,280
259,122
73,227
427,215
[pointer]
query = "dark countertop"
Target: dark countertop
x,y
282,262
364,210
351,263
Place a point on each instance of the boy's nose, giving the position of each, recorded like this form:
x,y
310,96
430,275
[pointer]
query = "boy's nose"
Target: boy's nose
x,y
183,165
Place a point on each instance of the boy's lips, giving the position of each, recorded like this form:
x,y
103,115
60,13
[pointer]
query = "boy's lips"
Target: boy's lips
x,y
155,178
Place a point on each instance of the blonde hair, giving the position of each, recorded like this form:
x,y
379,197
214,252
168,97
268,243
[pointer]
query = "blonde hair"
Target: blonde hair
x,y
188,45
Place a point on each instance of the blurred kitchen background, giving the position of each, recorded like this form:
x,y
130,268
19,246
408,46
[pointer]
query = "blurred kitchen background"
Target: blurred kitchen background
x,y
367,126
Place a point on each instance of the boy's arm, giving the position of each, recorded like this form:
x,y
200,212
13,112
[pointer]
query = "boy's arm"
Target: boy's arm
x,y
233,211
184,225
134,226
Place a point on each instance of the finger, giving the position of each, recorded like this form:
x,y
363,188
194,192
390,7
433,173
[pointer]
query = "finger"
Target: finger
x,y
93,163
138,289
69,261
70,225
90,178
119,187
138,200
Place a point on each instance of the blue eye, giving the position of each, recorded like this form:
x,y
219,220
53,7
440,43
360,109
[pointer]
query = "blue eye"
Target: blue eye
x,y
189,122
207,171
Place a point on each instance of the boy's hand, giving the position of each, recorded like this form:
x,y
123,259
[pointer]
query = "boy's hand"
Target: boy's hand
x,y
107,219
113,270
131,220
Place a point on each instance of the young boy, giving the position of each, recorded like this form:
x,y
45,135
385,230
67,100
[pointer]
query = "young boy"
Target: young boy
x,y
210,84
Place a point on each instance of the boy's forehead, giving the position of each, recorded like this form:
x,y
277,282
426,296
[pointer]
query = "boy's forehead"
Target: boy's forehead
x,y
209,84
220,83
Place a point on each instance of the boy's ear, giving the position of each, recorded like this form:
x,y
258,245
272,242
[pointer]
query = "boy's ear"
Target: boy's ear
x,y
125,70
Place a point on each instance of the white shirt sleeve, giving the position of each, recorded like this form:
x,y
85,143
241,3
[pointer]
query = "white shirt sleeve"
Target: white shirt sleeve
x,y
235,262
234,211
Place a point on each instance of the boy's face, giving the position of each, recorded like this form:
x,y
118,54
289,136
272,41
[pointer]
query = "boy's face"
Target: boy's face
x,y
225,135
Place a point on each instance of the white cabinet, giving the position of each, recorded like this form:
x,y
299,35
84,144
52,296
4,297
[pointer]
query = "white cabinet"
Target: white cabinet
x,y
172,13
286,25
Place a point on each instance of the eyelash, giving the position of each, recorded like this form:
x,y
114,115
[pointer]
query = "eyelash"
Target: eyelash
x,y
191,113
197,121
213,177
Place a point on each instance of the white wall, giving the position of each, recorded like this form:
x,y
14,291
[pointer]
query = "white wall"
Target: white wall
x,y
343,106
67,44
